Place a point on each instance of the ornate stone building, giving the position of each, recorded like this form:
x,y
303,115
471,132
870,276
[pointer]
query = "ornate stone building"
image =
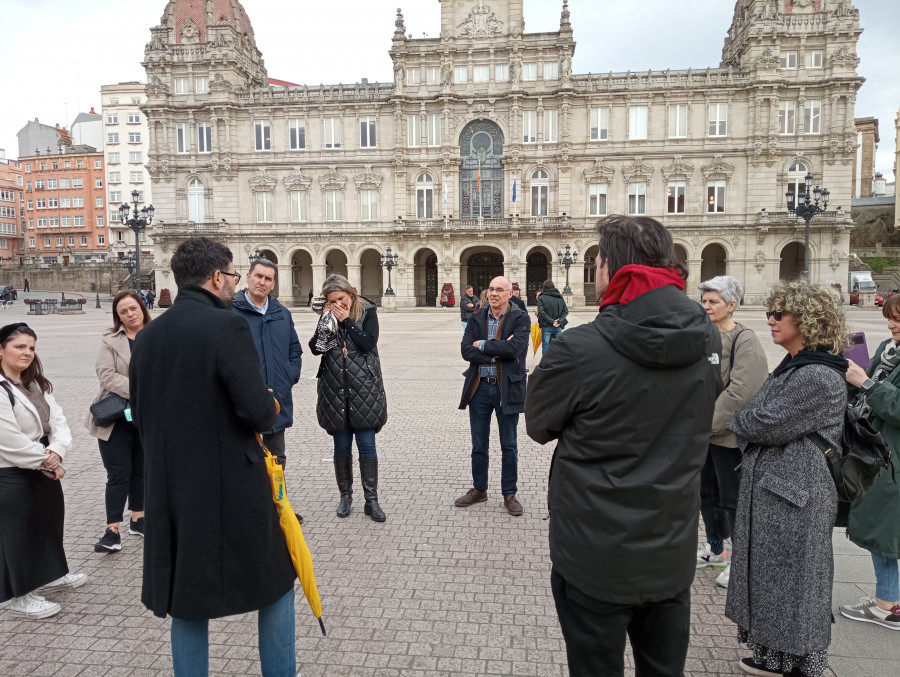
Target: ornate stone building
x,y
487,154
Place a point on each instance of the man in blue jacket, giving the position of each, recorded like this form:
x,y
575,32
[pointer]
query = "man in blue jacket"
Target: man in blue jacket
x,y
276,343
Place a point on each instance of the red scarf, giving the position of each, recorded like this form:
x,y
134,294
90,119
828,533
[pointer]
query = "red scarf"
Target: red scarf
x,y
632,280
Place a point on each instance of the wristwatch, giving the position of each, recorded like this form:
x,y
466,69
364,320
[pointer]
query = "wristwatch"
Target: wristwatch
x,y
868,384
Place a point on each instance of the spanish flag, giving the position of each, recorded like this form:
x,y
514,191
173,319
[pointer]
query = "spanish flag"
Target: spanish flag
x,y
478,180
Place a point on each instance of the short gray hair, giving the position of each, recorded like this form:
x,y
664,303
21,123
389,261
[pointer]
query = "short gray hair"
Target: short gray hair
x,y
265,263
729,287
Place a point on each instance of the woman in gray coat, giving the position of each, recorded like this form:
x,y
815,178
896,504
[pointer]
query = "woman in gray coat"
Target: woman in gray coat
x,y
782,566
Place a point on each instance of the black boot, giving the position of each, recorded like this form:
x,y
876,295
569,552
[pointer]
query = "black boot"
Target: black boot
x,y
368,473
343,472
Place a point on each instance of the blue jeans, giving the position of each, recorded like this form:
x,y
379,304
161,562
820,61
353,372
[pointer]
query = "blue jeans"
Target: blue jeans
x,y
275,626
365,443
547,335
465,325
887,578
484,402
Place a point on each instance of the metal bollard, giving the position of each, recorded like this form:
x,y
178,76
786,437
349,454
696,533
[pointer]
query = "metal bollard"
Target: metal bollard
x,y
98,301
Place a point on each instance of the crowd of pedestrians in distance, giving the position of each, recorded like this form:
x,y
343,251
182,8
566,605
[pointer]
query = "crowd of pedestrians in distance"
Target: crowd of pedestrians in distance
x,y
662,412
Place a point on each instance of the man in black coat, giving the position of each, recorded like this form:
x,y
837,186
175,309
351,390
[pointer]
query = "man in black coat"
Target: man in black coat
x,y
468,305
495,343
213,544
629,398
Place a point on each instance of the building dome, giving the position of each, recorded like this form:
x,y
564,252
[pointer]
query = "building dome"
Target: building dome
x,y
190,18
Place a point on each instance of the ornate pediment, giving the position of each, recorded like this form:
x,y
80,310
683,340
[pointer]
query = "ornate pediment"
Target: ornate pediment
x,y
156,86
598,173
332,180
717,169
368,180
297,181
637,171
218,83
262,182
677,170
768,59
481,23
844,57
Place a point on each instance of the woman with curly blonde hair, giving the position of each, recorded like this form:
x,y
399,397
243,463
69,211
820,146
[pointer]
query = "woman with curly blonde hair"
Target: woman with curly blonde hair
x,y
782,566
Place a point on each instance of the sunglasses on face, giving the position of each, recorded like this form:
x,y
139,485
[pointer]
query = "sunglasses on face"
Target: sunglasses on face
x,y
774,313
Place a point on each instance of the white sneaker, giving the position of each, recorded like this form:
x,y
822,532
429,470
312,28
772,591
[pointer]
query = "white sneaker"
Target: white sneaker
x,y
868,611
67,581
33,606
705,557
722,578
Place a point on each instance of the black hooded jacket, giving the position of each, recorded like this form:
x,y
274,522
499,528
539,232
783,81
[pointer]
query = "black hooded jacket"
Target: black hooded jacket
x,y
629,399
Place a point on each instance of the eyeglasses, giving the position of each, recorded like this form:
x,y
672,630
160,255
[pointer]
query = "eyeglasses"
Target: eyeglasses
x,y
774,313
236,276
497,290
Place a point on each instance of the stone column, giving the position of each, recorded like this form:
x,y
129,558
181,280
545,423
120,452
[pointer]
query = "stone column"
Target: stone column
x,y
285,288
353,275
318,271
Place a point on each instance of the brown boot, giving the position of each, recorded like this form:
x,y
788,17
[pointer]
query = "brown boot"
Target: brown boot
x,y
471,497
513,507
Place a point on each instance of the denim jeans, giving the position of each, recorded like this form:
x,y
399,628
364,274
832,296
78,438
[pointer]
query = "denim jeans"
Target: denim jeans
x,y
719,487
275,625
547,335
365,443
465,325
484,402
887,578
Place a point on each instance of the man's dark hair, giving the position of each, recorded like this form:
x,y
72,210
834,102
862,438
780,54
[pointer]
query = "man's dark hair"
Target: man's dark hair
x,y
547,284
195,260
636,239
265,263
468,287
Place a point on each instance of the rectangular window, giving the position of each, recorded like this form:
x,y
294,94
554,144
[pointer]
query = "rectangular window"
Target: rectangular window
x,y
786,117
787,60
434,129
46,241
78,202
332,132
115,177
79,220
539,195
100,223
204,137
599,124
53,203
201,85
812,117
99,202
718,119
413,131
52,184
134,118
265,206
64,184
77,182
461,74
79,164
813,58
715,197
412,76
113,159
84,240
136,177
115,196
678,121
54,222
30,224
112,138
133,156
529,126
263,135
299,205
637,198
433,75
637,123
31,242
297,134
529,71
112,118
501,72
101,238
597,199
368,200
551,70
39,184
71,240
30,205
334,205
675,192
367,132
98,183
136,100
42,222
551,126
65,202
481,73
181,85
28,167
134,137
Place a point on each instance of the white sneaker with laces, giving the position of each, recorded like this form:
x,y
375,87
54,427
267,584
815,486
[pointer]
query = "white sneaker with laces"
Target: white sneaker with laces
x,y
33,606
68,581
722,578
705,557
868,611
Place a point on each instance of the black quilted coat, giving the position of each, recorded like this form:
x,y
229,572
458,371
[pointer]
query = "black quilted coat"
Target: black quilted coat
x,y
350,388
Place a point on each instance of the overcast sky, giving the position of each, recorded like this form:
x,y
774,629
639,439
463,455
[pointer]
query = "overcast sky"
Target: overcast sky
x,y
59,52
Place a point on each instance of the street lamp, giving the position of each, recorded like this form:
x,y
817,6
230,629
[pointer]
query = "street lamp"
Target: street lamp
x,y
389,260
567,260
255,256
137,221
128,261
806,207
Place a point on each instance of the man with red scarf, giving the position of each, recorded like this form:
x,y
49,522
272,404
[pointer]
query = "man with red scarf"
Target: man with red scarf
x,y
629,399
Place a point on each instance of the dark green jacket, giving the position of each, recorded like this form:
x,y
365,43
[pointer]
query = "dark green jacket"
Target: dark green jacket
x,y
552,306
874,522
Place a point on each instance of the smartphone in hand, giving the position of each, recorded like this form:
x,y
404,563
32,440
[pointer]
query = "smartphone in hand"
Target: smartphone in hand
x,y
858,351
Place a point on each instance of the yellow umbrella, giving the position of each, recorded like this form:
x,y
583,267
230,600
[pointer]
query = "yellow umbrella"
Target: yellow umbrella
x,y
293,534
535,337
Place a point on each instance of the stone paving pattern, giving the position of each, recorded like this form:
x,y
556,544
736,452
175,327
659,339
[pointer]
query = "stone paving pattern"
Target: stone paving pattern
x,y
436,590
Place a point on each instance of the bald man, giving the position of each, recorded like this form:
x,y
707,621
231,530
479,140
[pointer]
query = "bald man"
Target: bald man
x,y
495,343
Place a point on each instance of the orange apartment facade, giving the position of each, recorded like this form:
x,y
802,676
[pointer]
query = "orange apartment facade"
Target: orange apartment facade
x,y
12,212
65,206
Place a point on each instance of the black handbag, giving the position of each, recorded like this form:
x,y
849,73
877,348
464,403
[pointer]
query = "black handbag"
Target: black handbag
x,y
109,410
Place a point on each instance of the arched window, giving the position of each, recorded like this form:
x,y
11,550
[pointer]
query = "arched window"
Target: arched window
x,y
425,197
196,201
540,192
796,181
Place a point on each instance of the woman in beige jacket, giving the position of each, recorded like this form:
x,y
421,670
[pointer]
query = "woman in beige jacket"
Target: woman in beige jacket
x,y
744,369
120,446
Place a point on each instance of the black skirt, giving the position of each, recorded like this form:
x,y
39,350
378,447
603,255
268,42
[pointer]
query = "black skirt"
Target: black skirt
x,y
32,513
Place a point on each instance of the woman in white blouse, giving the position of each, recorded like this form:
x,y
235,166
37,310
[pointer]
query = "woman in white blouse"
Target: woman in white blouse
x,y
34,439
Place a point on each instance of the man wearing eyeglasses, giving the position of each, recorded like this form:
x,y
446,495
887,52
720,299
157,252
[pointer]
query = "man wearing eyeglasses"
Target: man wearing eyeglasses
x,y
495,343
213,545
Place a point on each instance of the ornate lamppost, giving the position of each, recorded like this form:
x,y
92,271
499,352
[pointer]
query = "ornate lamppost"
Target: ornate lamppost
x,y
806,206
129,262
389,261
255,256
138,222
567,260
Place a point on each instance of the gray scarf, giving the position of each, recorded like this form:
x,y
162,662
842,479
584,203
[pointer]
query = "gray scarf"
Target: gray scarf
x,y
890,358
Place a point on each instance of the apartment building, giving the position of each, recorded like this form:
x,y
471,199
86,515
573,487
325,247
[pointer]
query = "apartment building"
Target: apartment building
x,y
12,210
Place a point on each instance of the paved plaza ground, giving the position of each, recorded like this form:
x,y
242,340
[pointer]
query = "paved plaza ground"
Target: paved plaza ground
x,y
436,590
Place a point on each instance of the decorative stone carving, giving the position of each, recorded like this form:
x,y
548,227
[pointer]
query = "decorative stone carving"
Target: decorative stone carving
x,y
760,260
677,170
190,34
297,181
637,171
368,179
262,182
768,59
717,169
332,180
400,27
481,23
219,84
844,57
835,261
761,233
598,173
156,86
